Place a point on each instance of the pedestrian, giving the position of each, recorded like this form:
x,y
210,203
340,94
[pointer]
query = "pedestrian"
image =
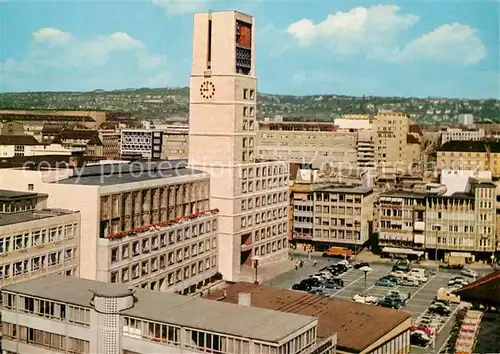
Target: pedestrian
x,y
314,263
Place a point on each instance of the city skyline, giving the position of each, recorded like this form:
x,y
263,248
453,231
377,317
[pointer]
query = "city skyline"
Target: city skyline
x,y
370,48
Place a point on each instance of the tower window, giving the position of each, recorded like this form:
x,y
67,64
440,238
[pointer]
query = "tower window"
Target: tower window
x,y
245,94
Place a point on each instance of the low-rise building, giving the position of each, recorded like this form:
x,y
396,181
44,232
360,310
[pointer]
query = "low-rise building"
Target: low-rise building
x,y
26,145
304,142
470,155
72,315
34,240
145,143
175,141
360,328
458,134
146,225
331,215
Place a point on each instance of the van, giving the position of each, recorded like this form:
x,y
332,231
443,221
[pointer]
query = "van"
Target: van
x,y
421,271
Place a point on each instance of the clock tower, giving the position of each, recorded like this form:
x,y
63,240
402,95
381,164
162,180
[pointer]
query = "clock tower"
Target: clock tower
x,y
222,123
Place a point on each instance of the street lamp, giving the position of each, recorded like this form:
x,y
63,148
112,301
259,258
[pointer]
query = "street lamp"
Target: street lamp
x,y
256,267
436,229
366,270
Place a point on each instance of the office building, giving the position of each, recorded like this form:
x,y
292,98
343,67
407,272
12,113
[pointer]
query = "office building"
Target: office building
x,y
57,314
466,119
35,240
147,225
252,197
142,143
335,215
470,155
359,328
175,141
459,134
305,142
111,143
458,215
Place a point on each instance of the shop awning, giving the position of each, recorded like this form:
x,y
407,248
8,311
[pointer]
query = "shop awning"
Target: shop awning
x,y
407,251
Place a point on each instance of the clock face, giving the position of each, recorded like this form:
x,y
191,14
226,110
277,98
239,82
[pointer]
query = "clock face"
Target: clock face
x,y
207,89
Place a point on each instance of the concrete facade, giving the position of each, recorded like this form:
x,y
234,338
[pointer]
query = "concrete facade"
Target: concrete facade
x,y
36,241
252,197
146,143
132,226
93,317
334,215
457,134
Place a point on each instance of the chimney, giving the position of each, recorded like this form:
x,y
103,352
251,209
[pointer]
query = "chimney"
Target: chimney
x,y
245,299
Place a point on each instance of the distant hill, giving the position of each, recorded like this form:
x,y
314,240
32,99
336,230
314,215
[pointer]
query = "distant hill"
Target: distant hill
x,y
162,103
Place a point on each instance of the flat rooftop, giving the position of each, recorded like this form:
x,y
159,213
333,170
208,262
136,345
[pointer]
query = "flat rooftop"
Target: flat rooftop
x,y
398,193
346,189
7,195
185,311
26,216
112,174
357,325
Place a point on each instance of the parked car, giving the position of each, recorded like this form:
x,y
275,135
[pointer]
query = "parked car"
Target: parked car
x,y
402,266
301,287
332,286
469,273
440,310
337,281
419,338
384,282
390,303
410,282
365,299
397,298
398,274
345,264
395,280
361,265
313,282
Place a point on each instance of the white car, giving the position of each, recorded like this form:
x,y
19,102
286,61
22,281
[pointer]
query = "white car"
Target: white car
x,y
398,274
365,299
410,282
469,273
345,263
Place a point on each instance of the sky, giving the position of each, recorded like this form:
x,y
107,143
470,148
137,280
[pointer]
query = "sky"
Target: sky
x,y
402,48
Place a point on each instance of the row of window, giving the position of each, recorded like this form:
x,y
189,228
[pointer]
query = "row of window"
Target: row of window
x,y
48,309
264,171
337,197
338,234
36,238
271,247
155,242
18,206
36,263
337,210
145,268
51,341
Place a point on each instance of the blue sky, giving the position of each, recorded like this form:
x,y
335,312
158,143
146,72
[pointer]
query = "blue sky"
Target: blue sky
x,y
419,48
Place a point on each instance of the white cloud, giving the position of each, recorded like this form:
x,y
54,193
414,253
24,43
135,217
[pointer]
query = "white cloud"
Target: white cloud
x,y
374,31
355,30
450,42
60,54
177,7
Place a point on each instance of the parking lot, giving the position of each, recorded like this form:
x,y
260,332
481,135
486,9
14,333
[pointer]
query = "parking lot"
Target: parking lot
x,y
354,283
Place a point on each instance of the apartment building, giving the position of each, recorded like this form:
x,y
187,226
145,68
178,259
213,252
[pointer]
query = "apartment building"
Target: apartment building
x,y
463,221
148,225
402,219
304,142
144,143
440,222
34,240
252,197
175,141
57,314
84,140
397,148
466,119
366,149
470,155
458,134
331,215
111,143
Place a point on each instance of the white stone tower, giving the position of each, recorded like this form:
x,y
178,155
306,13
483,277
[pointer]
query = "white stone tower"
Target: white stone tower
x,y
222,114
